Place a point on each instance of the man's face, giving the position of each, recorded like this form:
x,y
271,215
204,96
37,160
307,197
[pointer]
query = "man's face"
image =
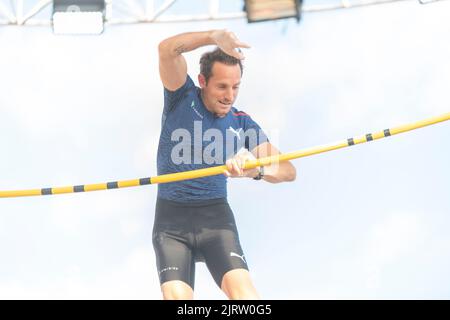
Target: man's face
x,y
222,88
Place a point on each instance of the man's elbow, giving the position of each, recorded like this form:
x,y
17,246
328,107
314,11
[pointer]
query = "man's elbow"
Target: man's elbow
x,y
164,48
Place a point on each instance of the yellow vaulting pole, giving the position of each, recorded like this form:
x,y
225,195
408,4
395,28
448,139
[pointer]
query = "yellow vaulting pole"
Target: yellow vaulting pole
x,y
220,169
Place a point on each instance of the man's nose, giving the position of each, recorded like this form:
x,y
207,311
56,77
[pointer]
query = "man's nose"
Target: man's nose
x,y
229,95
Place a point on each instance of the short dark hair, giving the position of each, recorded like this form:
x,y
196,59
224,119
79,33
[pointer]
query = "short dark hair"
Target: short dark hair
x,y
208,58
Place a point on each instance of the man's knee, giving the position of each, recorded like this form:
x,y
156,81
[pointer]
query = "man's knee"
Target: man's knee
x,y
243,293
176,290
237,285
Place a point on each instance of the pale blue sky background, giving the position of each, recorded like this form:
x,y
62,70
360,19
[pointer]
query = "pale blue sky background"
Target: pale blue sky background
x,y
369,221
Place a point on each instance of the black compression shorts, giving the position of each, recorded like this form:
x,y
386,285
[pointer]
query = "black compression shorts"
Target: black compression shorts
x,y
185,233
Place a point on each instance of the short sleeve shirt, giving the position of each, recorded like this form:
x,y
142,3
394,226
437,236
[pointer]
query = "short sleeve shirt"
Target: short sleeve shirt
x,y
193,138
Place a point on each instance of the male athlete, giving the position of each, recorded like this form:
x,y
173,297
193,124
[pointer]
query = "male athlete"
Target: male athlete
x,y
193,221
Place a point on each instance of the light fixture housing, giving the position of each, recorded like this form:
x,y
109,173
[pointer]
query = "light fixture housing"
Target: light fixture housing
x,y
267,10
78,16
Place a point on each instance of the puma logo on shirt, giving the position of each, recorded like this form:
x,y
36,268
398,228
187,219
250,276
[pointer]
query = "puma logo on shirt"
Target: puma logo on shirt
x,y
237,133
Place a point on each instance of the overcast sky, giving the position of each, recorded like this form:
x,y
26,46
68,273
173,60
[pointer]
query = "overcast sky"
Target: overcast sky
x,y
366,222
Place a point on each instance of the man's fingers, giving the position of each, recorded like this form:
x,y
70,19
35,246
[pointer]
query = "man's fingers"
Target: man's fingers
x,y
240,56
235,54
236,168
229,164
230,167
242,164
239,164
241,44
229,43
239,53
229,170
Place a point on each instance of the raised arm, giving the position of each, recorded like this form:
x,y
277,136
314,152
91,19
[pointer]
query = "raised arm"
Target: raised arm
x,y
172,64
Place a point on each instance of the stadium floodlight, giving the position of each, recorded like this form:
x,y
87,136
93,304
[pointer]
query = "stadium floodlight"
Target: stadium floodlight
x,y
266,10
78,16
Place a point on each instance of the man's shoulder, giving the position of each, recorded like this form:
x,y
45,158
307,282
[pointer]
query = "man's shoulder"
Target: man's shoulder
x,y
190,82
238,113
181,96
242,118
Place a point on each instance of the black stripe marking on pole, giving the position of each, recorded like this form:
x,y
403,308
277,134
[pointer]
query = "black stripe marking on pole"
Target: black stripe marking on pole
x,y
387,133
350,142
369,137
112,185
78,188
144,181
46,191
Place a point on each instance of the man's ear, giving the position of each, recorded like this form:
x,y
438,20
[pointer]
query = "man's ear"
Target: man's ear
x,y
201,80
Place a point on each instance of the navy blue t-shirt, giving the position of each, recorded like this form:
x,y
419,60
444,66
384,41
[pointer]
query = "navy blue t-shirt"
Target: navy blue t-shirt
x,y
194,138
